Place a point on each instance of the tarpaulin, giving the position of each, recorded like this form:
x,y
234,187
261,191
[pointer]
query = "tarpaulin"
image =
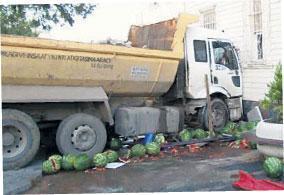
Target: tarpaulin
x,y
248,182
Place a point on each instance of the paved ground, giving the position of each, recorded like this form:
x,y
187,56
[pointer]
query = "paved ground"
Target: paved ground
x,y
214,168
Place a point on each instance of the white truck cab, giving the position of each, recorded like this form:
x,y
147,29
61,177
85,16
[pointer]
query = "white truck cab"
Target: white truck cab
x,y
212,53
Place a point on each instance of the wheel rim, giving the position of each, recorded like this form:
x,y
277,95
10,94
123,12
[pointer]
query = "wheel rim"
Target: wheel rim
x,y
218,114
14,140
83,137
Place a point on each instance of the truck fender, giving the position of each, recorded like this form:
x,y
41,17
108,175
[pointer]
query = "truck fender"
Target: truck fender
x,y
214,90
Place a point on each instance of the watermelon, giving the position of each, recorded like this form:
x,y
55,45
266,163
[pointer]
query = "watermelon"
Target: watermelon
x,y
111,155
185,135
230,128
251,125
200,134
115,144
160,139
68,161
138,150
100,160
50,166
153,148
273,167
56,157
82,162
252,145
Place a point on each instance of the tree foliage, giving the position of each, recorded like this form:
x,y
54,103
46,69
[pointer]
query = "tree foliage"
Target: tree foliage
x,y
29,19
273,99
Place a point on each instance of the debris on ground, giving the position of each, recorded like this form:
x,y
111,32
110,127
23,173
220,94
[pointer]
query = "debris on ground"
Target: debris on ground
x,y
248,182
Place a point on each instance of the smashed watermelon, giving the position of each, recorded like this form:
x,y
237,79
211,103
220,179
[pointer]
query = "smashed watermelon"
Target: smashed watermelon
x,y
82,162
153,148
273,167
138,150
160,139
68,161
185,135
111,155
56,157
100,160
50,166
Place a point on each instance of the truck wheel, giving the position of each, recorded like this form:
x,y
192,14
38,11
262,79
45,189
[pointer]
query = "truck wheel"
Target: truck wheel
x,y
20,139
220,114
81,133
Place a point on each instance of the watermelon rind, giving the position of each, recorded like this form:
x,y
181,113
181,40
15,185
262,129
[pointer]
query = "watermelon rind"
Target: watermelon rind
x,y
160,139
111,155
185,135
56,157
68,162
115,144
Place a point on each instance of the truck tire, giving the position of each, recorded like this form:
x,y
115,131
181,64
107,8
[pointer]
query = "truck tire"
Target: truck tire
x,y
81,133
20,139
220,115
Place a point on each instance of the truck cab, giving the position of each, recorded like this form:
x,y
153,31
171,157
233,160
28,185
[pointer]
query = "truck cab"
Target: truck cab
x,y
212,53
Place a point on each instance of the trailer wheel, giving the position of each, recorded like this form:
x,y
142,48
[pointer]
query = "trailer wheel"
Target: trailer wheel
x,y
20,139
220,115
81,133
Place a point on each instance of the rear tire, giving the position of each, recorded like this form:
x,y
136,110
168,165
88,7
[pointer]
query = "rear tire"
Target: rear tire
x,y
20,139
220,114
81,133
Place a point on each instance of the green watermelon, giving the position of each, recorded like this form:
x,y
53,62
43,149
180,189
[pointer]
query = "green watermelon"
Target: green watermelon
x,y
50,166
251,125
153,148
82,162
273,167
100,160
111,155
115,144
68,161
200,134
56,157
138,150
160,139
230,128
185,135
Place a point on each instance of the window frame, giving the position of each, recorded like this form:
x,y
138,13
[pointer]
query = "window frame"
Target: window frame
x,y
194,49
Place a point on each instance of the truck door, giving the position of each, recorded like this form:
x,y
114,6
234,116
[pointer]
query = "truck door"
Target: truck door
x,y
225,69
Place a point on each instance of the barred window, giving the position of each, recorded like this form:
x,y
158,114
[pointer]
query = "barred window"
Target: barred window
x,y
257,27
209,19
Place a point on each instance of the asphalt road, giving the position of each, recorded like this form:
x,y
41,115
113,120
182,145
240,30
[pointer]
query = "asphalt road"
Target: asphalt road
x,y
214,168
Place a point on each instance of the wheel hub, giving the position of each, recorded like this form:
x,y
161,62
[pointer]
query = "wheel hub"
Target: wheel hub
x,y
83,138
8,139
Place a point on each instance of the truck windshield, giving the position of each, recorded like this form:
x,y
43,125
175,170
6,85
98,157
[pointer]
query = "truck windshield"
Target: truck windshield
x,y
224,55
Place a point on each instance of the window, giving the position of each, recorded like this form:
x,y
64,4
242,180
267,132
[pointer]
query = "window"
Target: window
x,y
200,51
224,55
209,19
257,29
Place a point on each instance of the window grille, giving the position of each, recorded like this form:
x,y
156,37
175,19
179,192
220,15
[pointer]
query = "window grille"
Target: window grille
x,y
209,19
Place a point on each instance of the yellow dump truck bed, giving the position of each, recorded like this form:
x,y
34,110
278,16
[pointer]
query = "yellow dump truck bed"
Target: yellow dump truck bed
x,y
119,70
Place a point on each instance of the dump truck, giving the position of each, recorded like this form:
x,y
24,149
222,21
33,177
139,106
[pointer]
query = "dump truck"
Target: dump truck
x,y
90,92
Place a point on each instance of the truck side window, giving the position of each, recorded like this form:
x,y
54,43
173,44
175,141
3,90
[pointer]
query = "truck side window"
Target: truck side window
x,y
200,51
224,55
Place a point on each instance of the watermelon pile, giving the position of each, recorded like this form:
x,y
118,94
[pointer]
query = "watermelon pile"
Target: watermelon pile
x,y
138,150
185,135
273,167
100,160
153,148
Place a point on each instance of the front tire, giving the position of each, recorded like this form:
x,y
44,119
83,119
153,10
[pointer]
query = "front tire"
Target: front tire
x,y
81,133
20,139
220,115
